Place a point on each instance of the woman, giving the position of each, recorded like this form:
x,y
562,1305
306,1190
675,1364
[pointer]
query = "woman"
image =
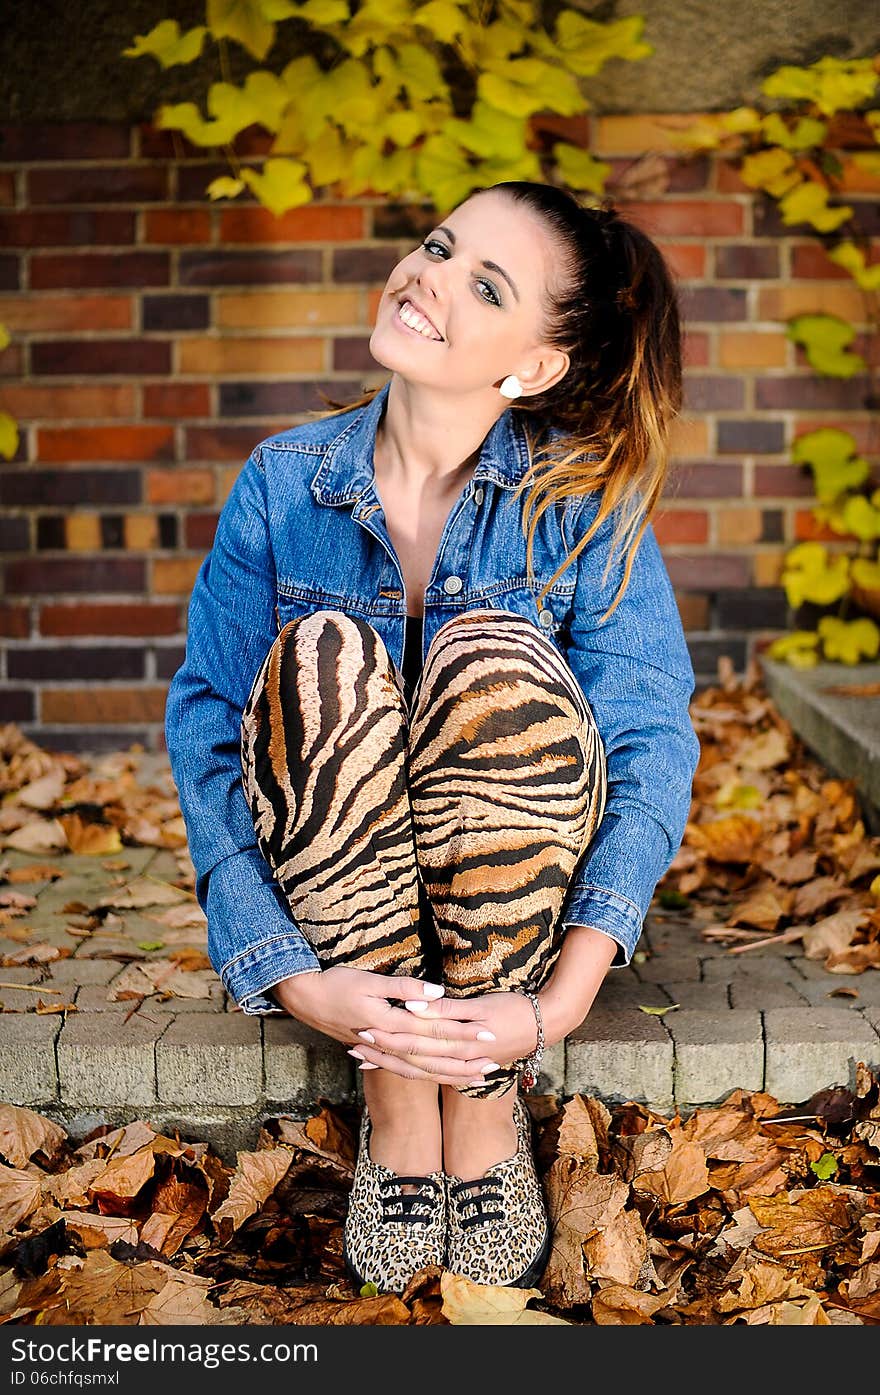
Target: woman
x,y
438,868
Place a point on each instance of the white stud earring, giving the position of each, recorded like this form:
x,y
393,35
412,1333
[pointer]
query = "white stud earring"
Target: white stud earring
x,y
511,387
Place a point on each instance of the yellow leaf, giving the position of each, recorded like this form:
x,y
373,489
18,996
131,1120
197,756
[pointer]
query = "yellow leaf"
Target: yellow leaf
x,y
773,170
442,18
167,44
527,85
831,84
412,67
8,436
796,649
375,22
848,641
808,203
860,518
581,170
224,187
831,456
248,22
586,46
866,573
444,171
806,134
280,186
809,575
824,339
852,259
489,132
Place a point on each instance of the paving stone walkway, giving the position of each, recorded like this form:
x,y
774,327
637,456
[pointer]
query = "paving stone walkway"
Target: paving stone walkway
x,y
760,1020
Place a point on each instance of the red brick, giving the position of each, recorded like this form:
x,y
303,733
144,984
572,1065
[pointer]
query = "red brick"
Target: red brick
x,y
16,705
809,261
24,142
83,443
66,312
97,619
807,528
50,270
199,530
177,225
180,487
681,526
311,223
95,706
177,400
88,228
113,356
31,401
686,217
98,184
37,576
218,442
15,621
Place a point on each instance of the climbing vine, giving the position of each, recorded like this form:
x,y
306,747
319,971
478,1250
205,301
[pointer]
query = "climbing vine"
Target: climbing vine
x,y
411,98
803,156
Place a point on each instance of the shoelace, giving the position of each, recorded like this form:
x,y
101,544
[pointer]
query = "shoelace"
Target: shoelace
x,y
470,1199
415,1207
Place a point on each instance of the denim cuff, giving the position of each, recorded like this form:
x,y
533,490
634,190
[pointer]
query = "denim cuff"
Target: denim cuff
x,y
612,914
249,977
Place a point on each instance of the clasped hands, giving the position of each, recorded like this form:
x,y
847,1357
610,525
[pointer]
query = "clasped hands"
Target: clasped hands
x,y
393,1025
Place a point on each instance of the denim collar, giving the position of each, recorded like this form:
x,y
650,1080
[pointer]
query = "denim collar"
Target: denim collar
x,y
347,468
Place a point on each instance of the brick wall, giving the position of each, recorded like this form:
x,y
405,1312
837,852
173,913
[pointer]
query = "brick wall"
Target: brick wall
x,y
156,338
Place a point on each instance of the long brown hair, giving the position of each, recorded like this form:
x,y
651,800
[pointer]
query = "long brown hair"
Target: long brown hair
x,y
614,310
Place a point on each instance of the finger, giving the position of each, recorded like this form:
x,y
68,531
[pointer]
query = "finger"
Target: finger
x,y
430,1065
411,1072
398,986
442,1039
461,1009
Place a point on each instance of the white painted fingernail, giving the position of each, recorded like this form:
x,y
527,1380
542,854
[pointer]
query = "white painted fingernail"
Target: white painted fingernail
x,y
482,1036
491,1065
368,1036
358,1054
416,1006
368,1065
433,990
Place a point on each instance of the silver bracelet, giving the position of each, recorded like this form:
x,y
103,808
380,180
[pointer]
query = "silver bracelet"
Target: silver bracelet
x,y
530,1065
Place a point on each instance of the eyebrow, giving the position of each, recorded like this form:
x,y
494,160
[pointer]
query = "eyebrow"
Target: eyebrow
x,y
490,266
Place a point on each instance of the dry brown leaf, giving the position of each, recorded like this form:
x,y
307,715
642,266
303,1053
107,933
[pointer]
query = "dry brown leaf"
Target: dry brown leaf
x,y
581,1202
183,1300
466,1303
96,1231
43,793
143,892
92,839
256,1177
37,835
617,1305
833,933
618,1252
683,1176
19,1196
23,1133
733,838
123,1177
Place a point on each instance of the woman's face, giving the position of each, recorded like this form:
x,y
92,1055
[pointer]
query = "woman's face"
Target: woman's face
x,y
479,278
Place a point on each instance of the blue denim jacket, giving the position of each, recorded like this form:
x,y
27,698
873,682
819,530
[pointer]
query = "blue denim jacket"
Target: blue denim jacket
x,y
303,529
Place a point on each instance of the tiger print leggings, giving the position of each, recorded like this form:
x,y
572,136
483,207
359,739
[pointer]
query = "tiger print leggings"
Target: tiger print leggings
x,y
471,811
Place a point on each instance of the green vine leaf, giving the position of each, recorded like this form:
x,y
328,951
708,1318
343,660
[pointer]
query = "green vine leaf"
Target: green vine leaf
x,y
810,575
831,84
808,203
830,454
167,44
773,170
849,641
585,46
581,170
852,259
490,132
806,133
861,519
250,23
280,186
866,573
8,436
799,649
824,339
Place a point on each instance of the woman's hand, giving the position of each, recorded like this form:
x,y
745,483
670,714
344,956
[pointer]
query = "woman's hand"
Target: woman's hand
x,y
340,1002
439,1044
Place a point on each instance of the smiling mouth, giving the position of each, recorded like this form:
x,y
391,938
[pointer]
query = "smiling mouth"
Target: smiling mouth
x,y
412,319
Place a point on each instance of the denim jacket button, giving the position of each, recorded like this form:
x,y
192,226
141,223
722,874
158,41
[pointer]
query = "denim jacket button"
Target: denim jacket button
x,y
478,495
452,585
545,618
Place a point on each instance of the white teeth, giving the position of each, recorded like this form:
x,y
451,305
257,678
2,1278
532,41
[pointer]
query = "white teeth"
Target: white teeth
x,y
411,317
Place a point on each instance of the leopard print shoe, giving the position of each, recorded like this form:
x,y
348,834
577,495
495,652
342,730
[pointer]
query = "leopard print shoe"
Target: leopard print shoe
x,y
499,1230
390,1234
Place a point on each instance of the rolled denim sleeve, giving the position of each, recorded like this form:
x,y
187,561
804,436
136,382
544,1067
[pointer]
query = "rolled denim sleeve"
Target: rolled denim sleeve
x,y
636,674
253,941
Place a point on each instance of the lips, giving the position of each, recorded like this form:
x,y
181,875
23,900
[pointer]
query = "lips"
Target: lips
x,y
401,300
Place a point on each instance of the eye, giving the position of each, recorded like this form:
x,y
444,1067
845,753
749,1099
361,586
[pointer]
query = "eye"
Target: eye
x,y
481,280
